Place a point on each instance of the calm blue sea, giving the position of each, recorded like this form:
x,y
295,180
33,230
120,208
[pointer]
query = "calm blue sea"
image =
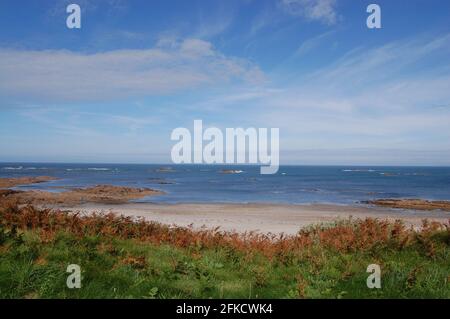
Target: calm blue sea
x,y
292,184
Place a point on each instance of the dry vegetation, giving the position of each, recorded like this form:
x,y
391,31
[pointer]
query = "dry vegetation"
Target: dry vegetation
x,y
122,257
343,236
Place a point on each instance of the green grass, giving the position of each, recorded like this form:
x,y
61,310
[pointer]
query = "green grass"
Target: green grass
x,y
128,268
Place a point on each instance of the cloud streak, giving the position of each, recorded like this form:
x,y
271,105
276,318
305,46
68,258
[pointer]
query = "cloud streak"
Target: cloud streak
x,y
380,98
71,76
312,10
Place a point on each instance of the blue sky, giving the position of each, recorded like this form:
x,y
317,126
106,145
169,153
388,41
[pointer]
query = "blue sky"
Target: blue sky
x,y
115,89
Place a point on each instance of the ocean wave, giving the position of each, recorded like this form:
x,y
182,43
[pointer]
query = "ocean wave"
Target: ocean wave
x,y
359,170
231,171
165,170
18,168
90,169
311,190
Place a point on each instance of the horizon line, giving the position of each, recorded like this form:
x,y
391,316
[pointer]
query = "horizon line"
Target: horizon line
x,y
227,164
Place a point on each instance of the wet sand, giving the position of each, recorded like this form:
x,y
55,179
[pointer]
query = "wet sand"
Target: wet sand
x,y
264,218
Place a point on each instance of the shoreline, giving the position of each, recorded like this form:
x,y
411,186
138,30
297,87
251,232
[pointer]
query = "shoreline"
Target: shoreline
x,y
240,217
261,218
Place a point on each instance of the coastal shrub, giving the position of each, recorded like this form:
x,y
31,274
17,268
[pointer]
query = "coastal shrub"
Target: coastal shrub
x,y
344,236
122,257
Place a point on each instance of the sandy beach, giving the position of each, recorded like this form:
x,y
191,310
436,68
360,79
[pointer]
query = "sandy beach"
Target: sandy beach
x,y
264,218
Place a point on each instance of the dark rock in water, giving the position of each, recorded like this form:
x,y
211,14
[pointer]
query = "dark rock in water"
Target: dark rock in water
x,y
160,181
389,174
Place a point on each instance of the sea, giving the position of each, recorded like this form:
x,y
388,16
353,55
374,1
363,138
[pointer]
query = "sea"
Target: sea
x,y
244,184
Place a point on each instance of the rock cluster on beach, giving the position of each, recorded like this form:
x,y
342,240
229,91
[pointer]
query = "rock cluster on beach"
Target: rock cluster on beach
x,y
106,194
415,204
12,182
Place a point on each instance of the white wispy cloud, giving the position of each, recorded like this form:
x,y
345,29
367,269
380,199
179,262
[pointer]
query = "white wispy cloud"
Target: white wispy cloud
x,y
73,76
312,10
312,43
365,66
389,97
